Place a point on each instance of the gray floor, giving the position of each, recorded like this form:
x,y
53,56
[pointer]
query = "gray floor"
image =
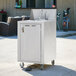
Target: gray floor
x,y
65,59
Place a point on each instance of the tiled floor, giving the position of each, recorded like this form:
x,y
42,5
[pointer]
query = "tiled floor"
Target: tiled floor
x,y
65,59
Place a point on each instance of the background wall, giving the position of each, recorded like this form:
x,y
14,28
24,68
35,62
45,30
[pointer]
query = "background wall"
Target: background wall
x,y
8,5
64,4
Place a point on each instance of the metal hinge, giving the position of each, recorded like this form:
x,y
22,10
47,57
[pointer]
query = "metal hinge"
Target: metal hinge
x,y
22,29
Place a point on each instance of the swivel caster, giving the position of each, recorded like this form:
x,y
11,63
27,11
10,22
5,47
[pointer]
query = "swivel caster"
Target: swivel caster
x,y
53,62
41,67
22,65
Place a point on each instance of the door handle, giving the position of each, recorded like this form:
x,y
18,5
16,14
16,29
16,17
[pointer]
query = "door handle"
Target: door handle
x,y
22,29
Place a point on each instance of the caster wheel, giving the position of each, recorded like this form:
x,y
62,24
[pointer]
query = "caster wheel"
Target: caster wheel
x,y
42,67
22,65
53,62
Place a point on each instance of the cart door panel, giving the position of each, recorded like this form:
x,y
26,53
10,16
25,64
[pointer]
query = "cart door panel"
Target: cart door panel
x,y
30,43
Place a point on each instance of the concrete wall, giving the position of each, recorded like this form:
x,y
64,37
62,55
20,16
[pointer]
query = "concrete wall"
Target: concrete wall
x,y
8,5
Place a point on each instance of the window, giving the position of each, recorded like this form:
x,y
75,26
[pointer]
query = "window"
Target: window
x,y
54,2
30,3
35,4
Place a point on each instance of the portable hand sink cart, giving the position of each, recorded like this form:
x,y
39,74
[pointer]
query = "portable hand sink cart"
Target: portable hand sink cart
x,y
37,41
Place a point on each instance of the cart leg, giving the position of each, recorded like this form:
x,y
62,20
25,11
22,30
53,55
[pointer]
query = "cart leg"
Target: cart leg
x,y
41,66
53,62
22,65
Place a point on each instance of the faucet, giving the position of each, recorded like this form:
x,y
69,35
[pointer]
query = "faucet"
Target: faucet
x,y
42,14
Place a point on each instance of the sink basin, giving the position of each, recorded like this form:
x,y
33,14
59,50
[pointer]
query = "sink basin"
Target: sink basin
x,y
37,20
